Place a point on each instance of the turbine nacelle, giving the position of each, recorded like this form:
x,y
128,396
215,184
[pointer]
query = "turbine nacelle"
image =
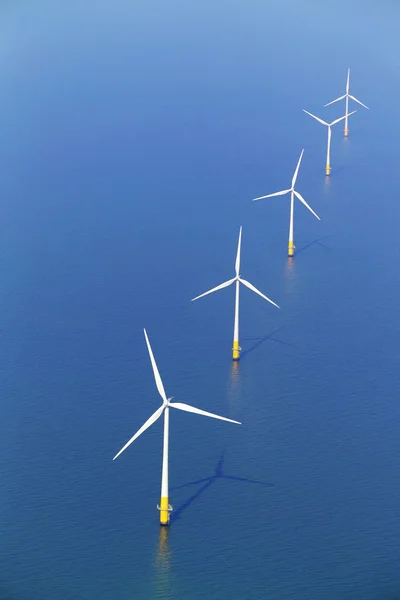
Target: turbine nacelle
x,y
333,122
291,189
329,125
166,404
236,278
347,94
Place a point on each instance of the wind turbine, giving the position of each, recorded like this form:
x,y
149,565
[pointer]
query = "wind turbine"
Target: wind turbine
x,y
329,125
236,348
347,96
293,193
165,507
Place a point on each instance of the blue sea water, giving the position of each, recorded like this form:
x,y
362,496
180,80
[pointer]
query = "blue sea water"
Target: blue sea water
x,y
133,137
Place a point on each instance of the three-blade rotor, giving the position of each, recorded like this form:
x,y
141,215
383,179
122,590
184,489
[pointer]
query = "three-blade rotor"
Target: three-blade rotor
x,y
333,122
166,404
292,190
237,278
347,94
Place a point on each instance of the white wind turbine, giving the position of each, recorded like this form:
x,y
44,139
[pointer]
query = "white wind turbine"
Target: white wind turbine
x,y
164,507
329,125
293,193
236,348
347,95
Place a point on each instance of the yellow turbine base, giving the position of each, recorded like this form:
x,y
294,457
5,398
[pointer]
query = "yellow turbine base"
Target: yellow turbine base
x,y
290,249
236,351
346,132
164,509
328,170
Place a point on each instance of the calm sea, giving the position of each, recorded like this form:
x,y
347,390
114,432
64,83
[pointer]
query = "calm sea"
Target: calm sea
x,y
133,136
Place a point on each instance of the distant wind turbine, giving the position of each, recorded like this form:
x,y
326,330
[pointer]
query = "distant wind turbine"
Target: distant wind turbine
x,y
293,193
329,125
346,96
165,507
236,348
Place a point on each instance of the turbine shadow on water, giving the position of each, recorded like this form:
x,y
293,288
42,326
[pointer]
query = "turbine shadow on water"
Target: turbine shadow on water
x,y
208,482
298,346
260,340
316,242
341,168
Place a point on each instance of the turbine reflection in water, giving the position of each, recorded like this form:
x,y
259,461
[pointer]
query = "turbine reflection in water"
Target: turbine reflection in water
x,y
291,282
289,275
234,387
327,185
290,267
163,578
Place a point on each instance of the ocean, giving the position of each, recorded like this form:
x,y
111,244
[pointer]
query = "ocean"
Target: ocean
x,y
134,136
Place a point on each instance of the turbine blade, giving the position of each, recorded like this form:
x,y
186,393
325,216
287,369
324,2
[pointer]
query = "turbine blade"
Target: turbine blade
x,y
300,197
297,169
341,118
143,428
337,100
348,81
198,411
237,263
157,377
254,289
282,193
314,117
355,99
219,287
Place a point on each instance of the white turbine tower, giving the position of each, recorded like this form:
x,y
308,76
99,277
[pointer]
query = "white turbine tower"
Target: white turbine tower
x,y
293,193
346,96
236,348
329,125
164,507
